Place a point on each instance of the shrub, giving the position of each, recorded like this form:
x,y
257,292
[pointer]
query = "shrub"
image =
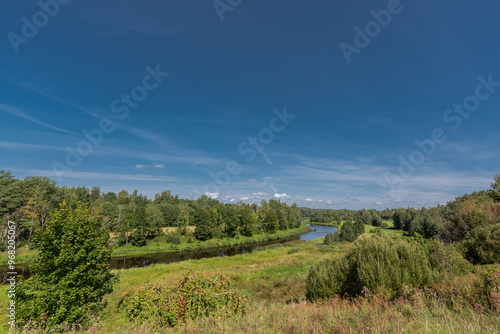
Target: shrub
x,y
482,245
374,261
122,241
327,279
446,261
173,239
329,239
138,239
164,305
480,291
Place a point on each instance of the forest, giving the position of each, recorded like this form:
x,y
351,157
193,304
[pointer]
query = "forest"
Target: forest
x,y
134,218
402,269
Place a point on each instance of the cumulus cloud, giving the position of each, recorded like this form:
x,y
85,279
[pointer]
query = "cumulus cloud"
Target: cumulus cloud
x,y
309,200
282,196
212,195
260,194
244,198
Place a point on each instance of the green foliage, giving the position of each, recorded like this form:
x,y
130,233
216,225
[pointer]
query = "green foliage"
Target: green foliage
x,y
482,245
376,221
270,221
366,217
359,227
348,232
479,291
205,219
230,219
375,261
496,183
70,275
419,239
138,239
163,305
327,279
247,221
446,261
330,238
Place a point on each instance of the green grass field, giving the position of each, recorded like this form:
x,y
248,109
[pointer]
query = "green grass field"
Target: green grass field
x,y
273,281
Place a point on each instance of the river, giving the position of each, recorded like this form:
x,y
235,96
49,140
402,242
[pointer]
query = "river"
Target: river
x,y
167,258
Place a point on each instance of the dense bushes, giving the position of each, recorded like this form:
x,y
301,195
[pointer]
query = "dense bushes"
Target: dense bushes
x,y
375,261
446,261
162,305
482,245
480,291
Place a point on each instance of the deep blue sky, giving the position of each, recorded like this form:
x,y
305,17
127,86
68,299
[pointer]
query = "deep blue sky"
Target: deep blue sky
x,y
353,120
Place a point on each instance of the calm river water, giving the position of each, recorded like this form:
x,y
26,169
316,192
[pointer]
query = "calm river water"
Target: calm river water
x,y
167,258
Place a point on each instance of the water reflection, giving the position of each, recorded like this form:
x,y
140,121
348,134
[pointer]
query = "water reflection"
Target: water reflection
x,y
23,270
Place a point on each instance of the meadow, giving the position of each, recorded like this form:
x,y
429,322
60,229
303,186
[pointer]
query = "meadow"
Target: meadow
x,y
273,281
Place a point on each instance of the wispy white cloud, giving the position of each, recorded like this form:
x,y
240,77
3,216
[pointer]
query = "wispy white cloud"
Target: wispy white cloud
x,y
149,166
99,176
24,115
91,111
23,146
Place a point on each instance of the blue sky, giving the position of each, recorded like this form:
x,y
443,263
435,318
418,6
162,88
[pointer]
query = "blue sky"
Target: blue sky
x,y
351,120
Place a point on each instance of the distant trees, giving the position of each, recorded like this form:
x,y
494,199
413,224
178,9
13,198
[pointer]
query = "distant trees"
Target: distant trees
x,y
205,220
270,221
247,221
376,221
496,182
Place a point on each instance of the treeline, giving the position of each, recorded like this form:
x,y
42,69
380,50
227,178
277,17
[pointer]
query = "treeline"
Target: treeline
x,y
133,216
328,216
438,250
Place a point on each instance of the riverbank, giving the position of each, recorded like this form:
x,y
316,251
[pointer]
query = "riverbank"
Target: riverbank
x,y
273,280
163,247
24,256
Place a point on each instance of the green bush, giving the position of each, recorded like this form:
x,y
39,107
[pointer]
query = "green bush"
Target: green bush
x,y
173,239
329,239
480,291
122,241
446,261
138,239
482,245
374,261
164,305
327,279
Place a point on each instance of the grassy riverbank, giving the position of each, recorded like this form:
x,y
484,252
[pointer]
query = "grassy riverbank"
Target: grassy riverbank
x,y
164,247
273,281
25,256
